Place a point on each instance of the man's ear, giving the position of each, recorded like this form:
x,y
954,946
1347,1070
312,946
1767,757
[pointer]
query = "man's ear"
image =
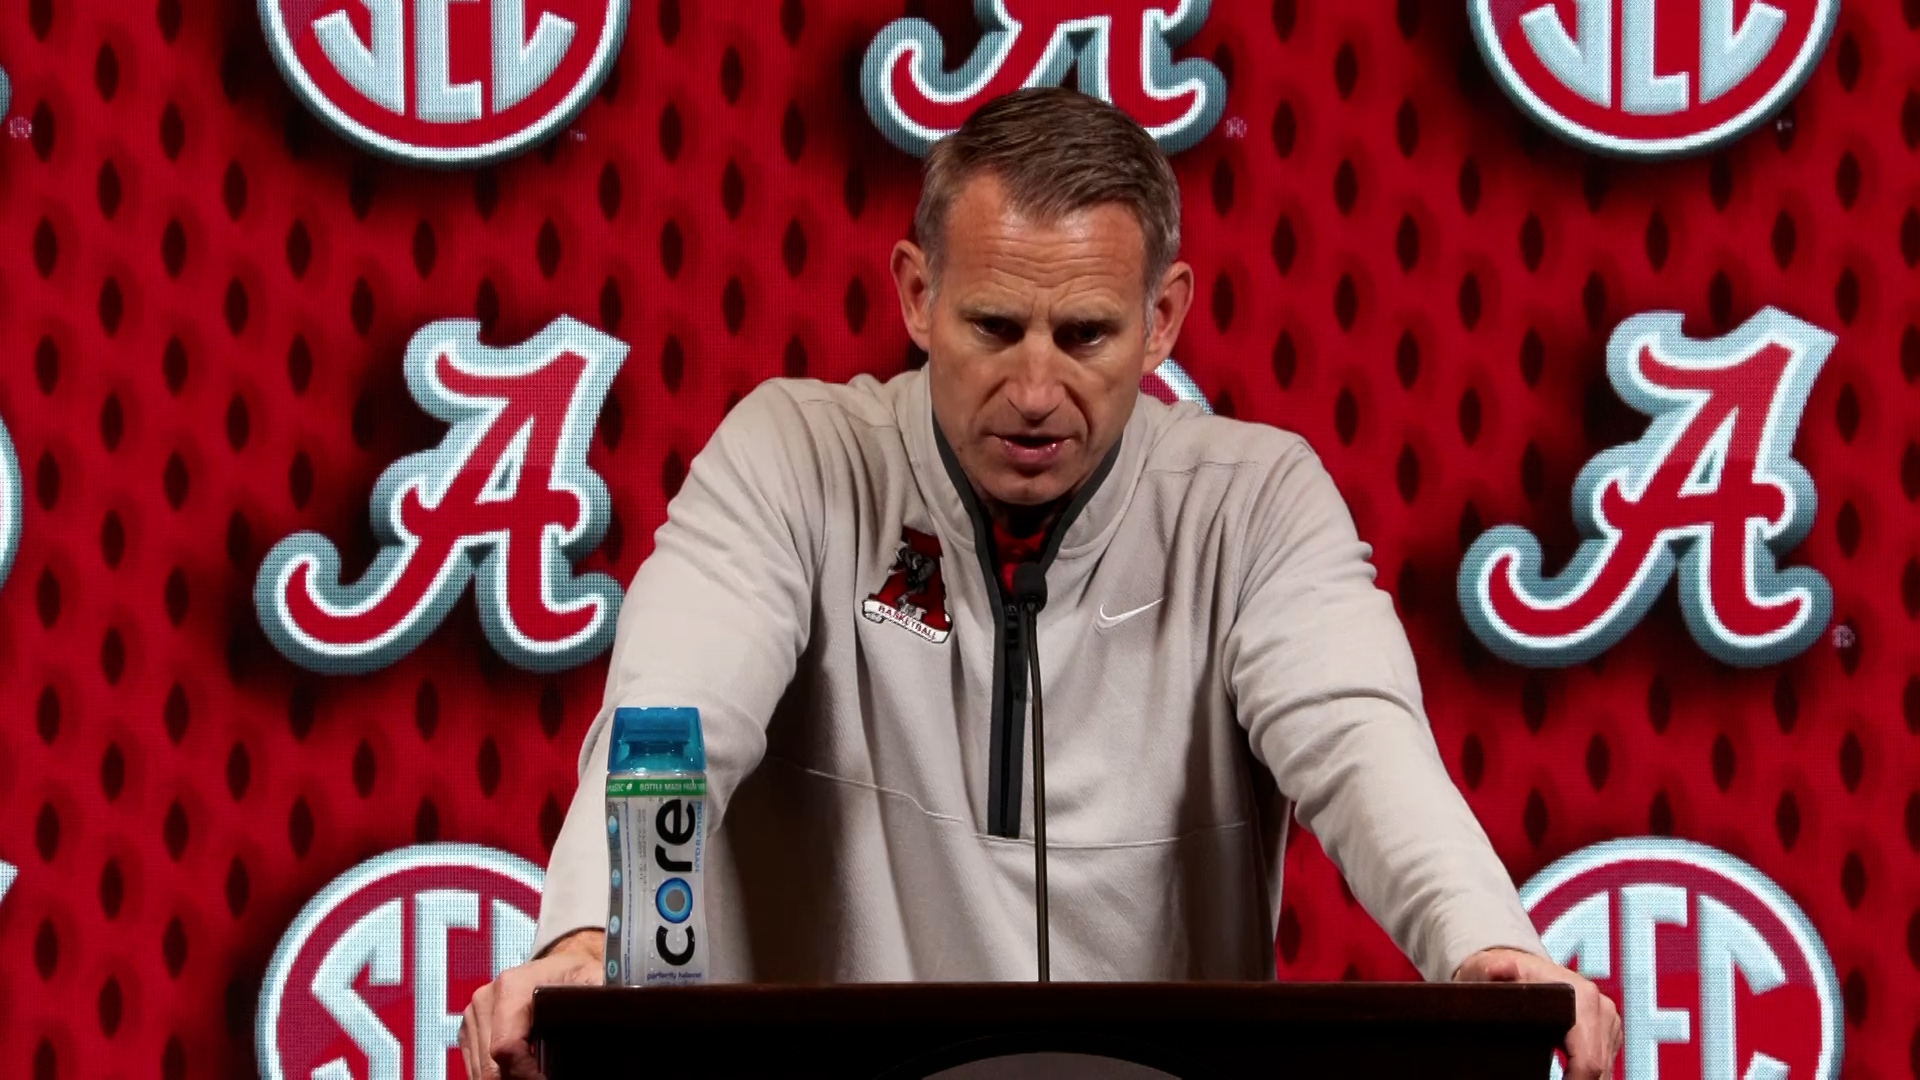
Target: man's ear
x,y
1170,306
911,281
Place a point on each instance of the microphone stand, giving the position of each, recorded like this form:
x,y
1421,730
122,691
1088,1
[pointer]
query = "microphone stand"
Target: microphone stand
x,y
1030,591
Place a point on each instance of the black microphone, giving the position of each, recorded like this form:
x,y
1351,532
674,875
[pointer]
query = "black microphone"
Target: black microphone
x,y
1030,592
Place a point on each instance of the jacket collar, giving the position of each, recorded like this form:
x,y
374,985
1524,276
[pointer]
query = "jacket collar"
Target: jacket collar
x,y
1092,517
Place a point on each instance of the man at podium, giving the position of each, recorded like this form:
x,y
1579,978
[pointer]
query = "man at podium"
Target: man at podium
x,y
833,590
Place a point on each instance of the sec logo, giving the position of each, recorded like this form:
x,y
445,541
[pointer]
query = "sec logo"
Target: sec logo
x,y
370,980
1652,78
1717,973
445,82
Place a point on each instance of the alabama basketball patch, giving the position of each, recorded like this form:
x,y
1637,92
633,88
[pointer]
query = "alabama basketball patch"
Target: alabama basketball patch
x,y
913,598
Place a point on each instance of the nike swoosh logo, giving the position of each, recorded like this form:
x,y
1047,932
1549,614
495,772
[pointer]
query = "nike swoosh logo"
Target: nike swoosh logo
x,y
1107,622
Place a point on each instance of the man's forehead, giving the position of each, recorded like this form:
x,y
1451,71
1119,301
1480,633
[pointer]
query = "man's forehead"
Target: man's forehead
x,y
997,250
1002,292
985,200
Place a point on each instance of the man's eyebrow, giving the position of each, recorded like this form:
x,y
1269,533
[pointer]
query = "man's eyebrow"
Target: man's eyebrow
x,y
1099,320
973,311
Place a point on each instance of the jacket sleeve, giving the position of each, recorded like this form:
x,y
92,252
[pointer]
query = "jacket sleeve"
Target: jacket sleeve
x,y
1324,682
716,618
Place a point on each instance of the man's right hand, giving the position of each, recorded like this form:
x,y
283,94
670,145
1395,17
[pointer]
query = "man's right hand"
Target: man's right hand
x,y
493,1032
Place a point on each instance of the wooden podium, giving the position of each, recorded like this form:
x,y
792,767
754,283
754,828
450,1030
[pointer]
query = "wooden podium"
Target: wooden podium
x,y
1187,1030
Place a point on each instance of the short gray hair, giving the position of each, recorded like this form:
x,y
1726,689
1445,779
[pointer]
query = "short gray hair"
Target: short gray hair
x,y
1056,151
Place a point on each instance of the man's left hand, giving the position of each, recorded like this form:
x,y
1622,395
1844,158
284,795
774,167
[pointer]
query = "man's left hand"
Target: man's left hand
x,y
1594,1042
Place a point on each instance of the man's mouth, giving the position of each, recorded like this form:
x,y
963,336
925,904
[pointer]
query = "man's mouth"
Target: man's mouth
x,y
1032,451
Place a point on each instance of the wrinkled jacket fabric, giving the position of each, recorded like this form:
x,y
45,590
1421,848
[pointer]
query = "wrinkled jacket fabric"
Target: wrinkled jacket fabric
x,y
1214,658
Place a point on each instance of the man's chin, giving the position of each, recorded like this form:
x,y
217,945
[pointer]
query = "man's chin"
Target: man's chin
x,y
1027,491
1015,486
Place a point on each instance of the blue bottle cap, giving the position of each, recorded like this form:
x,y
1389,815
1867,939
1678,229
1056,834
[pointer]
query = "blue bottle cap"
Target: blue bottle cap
x,y
657,740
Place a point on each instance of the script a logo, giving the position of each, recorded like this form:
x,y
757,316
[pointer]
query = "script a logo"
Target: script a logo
x,y
1718,974
1123,50
1170,384
10,516
370,980
1711,482
508,489
1652,78
445,82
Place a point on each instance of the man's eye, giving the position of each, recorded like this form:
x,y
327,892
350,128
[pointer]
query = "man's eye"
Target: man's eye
x,y
1082,337
998,329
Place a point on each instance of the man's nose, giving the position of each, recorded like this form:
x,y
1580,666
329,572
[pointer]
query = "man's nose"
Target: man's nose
x,y
1035,388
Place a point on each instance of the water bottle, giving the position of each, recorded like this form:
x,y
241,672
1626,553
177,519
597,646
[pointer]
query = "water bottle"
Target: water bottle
x,y
657,837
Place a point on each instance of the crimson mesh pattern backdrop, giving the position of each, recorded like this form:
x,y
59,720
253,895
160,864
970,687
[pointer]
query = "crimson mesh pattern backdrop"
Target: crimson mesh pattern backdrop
x,y
207,294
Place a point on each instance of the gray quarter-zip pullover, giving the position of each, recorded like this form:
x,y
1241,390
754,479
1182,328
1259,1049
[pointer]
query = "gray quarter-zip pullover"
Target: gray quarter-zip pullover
x,y
1214,658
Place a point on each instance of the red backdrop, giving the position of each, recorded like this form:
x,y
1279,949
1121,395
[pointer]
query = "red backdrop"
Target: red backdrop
x,y
205,295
